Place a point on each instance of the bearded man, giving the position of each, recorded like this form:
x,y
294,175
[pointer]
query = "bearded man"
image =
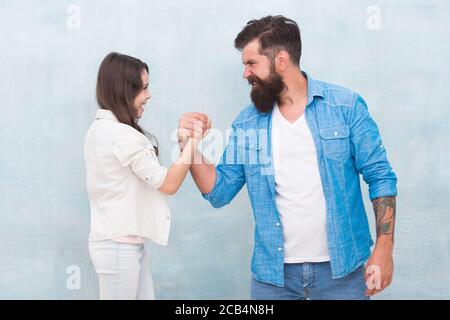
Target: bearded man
x,y
300,148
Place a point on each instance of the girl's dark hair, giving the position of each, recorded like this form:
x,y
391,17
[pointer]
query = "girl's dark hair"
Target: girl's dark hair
x,y
118,84
275,33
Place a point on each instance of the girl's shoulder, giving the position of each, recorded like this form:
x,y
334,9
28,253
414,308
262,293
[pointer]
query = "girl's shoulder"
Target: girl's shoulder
x,y
107,130
127,135
130,132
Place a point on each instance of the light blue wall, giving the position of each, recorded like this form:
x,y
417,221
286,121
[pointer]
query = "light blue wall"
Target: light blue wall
x,y
48,69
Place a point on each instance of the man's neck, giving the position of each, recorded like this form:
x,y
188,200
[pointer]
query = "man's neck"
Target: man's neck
x,y
296,92
294,98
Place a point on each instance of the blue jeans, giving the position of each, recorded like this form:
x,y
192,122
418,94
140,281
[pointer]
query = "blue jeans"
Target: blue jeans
x,y
312,281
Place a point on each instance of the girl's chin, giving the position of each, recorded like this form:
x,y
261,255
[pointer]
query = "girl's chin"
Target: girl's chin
x,y
140,112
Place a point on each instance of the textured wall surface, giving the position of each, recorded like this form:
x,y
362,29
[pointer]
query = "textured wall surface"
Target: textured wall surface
x,y
394,53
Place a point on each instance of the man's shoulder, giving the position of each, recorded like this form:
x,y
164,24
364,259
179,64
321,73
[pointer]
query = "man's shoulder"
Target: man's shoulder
x,y
337,95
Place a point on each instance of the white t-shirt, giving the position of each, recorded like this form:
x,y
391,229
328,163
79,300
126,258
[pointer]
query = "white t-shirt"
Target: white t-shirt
x,y
299,195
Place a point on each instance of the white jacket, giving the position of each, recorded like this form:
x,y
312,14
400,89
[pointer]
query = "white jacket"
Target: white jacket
x,y
123,177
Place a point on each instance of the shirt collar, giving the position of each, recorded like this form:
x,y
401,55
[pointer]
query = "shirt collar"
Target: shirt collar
x,y
314,88
105,114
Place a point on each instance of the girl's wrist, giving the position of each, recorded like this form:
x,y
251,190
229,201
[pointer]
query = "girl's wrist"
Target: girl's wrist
x,y
187,152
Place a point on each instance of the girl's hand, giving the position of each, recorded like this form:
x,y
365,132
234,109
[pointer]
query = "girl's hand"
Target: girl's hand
x,y
192,124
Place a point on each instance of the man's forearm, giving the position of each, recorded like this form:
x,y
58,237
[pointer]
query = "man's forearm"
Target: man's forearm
x,y
203,173
385,209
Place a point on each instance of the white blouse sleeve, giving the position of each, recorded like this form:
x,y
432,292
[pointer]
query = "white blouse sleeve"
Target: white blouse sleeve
x,y
135,151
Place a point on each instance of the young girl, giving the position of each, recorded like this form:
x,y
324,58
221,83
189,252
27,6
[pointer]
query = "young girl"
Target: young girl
x,y
126,184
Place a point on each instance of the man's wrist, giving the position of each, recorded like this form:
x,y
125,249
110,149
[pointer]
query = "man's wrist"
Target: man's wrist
x,y
384,243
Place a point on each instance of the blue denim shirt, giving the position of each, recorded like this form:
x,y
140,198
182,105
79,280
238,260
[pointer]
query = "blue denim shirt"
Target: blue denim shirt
x,y
348,144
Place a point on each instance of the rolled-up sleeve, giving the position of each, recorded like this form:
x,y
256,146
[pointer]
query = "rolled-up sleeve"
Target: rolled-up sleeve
x,y
137,152
369,152
230,176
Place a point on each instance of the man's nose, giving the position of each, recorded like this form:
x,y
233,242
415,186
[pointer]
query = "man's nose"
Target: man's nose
x,y
247,73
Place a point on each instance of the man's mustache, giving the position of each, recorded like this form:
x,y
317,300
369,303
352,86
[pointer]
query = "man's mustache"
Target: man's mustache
x,y
254,80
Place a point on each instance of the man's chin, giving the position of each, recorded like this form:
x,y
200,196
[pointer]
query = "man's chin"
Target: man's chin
x,y
264,108
263,104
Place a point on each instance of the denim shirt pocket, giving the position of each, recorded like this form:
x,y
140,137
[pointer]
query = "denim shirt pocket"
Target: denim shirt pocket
x,y
336,142
249,156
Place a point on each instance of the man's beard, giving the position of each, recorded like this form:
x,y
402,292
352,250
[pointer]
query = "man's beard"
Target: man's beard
x,y
265,93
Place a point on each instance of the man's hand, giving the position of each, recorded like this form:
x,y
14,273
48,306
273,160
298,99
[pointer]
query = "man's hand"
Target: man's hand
x,y
192,124
379,270
380,266
197,125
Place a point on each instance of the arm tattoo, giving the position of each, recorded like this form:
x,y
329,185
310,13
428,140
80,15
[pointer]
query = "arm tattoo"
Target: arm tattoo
x,y
384,209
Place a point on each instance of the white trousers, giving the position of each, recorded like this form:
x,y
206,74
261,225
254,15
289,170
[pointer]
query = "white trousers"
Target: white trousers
x,y
123,270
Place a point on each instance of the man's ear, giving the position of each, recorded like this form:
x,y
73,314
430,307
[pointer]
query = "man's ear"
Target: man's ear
x,y
282,60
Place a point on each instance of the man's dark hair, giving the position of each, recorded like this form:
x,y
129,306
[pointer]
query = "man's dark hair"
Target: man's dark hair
x,y
275,33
